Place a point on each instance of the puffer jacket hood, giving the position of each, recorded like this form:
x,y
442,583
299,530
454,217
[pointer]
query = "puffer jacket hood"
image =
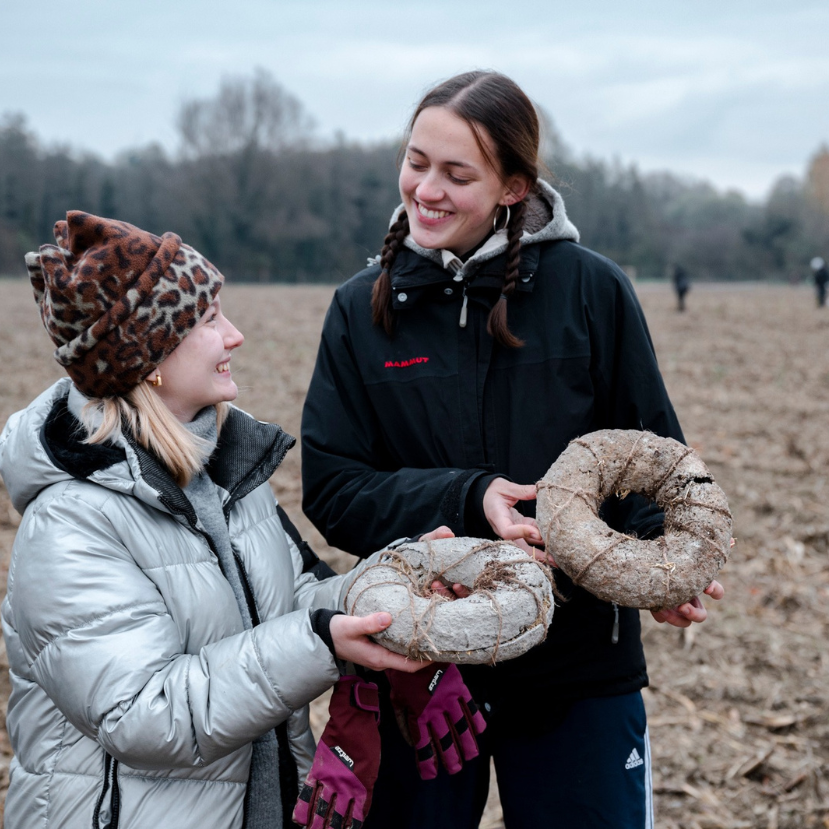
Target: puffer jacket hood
x,y
42,445
26,465
546,221
136,689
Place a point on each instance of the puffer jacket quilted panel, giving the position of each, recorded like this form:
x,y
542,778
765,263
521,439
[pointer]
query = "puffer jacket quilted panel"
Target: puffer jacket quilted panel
x,y
128,655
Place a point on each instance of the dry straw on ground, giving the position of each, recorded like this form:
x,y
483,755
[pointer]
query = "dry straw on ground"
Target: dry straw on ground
x,y
737,706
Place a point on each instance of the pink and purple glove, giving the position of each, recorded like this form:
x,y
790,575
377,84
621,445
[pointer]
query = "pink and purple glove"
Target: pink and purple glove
x,y
337,791
437,715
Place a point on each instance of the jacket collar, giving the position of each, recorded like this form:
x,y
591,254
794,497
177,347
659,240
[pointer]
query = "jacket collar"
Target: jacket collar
x,y
247,454
415,279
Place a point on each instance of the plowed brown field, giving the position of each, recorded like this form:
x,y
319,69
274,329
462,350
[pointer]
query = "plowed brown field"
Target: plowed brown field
x,y
738,706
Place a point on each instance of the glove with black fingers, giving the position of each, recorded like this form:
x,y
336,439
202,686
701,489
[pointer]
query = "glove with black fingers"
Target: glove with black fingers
x,y
437,715
337,791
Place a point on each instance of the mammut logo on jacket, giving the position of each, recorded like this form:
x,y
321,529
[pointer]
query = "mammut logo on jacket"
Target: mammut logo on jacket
x,y
405,363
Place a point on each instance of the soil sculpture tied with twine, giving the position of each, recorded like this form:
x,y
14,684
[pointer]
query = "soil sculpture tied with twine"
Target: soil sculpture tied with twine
x,y
663,572
507,613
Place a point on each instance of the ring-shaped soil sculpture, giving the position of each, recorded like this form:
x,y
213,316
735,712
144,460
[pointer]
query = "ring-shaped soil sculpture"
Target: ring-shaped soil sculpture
x,y
507,613
662,572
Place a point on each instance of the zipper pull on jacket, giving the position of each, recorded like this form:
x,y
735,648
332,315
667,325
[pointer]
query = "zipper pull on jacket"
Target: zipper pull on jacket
x,y
453,264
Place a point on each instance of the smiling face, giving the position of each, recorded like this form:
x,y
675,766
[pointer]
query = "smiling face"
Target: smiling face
x,y
197,373
450,191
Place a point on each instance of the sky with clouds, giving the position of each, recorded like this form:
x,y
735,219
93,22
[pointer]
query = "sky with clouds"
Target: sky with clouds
x,y
733,92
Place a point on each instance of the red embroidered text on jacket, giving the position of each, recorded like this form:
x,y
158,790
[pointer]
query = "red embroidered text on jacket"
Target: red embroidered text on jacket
x,y
405,363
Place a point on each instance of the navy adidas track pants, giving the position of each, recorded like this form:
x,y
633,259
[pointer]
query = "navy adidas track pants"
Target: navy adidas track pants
x,y
591,771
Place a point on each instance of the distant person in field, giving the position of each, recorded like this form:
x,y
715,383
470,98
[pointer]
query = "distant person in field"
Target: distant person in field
x,y
451,373
165,628
682,284
821,277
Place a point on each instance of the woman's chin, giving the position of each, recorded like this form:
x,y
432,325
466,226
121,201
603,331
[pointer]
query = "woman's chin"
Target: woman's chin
x,y
431,239
229,391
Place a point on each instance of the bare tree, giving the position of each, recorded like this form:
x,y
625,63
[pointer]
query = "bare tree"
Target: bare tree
x,y
553,150
246,114
817,178
231,144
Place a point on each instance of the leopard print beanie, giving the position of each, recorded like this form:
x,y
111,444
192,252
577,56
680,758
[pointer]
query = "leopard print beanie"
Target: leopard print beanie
x,y
117,300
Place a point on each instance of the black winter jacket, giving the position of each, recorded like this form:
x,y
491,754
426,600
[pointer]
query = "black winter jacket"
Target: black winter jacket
x,y
402,434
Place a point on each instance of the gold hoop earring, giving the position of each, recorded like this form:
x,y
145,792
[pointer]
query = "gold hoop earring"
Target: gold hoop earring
x,y
156,381
495,220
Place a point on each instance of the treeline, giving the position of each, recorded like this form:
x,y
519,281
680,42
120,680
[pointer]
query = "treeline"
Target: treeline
x,y
254,191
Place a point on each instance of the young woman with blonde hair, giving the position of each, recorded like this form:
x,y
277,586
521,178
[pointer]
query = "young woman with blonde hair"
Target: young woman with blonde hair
x,y
164,632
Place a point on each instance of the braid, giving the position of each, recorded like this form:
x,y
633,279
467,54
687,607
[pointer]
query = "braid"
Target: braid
x,y
381,307
497,323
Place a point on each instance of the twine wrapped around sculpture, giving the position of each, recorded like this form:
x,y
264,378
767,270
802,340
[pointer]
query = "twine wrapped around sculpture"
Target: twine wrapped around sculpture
x,y
507,613
663,572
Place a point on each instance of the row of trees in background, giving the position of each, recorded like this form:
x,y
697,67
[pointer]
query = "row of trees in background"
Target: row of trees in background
x,y
254,191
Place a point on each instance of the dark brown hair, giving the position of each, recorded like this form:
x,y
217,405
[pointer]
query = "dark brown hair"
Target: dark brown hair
x,y
493,105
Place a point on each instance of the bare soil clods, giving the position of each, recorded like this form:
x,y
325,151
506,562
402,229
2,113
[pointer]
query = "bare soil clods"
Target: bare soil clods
x,y
738,705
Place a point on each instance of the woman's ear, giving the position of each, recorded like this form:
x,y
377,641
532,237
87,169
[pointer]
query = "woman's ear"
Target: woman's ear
x,y
154,377
516,190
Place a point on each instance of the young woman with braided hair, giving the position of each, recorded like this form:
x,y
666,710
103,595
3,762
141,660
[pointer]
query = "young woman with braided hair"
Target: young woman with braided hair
x,y
451,373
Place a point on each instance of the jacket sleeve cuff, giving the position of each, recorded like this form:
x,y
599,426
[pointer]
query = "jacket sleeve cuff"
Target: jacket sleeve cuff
x,y
474,520
321,625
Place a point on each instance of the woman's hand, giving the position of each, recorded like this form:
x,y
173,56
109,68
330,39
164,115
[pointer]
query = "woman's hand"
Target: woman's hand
x,y
500,499
690,612
454,591
351,643
441,532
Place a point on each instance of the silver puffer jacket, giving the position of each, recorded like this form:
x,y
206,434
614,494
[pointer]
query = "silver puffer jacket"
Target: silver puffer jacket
x,y
136,690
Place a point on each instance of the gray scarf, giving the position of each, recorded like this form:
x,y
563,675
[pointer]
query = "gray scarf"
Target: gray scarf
x,y
263,803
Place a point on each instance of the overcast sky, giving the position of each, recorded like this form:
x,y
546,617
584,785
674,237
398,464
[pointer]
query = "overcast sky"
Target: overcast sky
x,y
730,91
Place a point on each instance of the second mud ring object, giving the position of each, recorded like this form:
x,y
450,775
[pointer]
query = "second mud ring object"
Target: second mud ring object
x,y
509,611
662,572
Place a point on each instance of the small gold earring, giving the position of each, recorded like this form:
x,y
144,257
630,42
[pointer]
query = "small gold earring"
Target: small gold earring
x,y
156,381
